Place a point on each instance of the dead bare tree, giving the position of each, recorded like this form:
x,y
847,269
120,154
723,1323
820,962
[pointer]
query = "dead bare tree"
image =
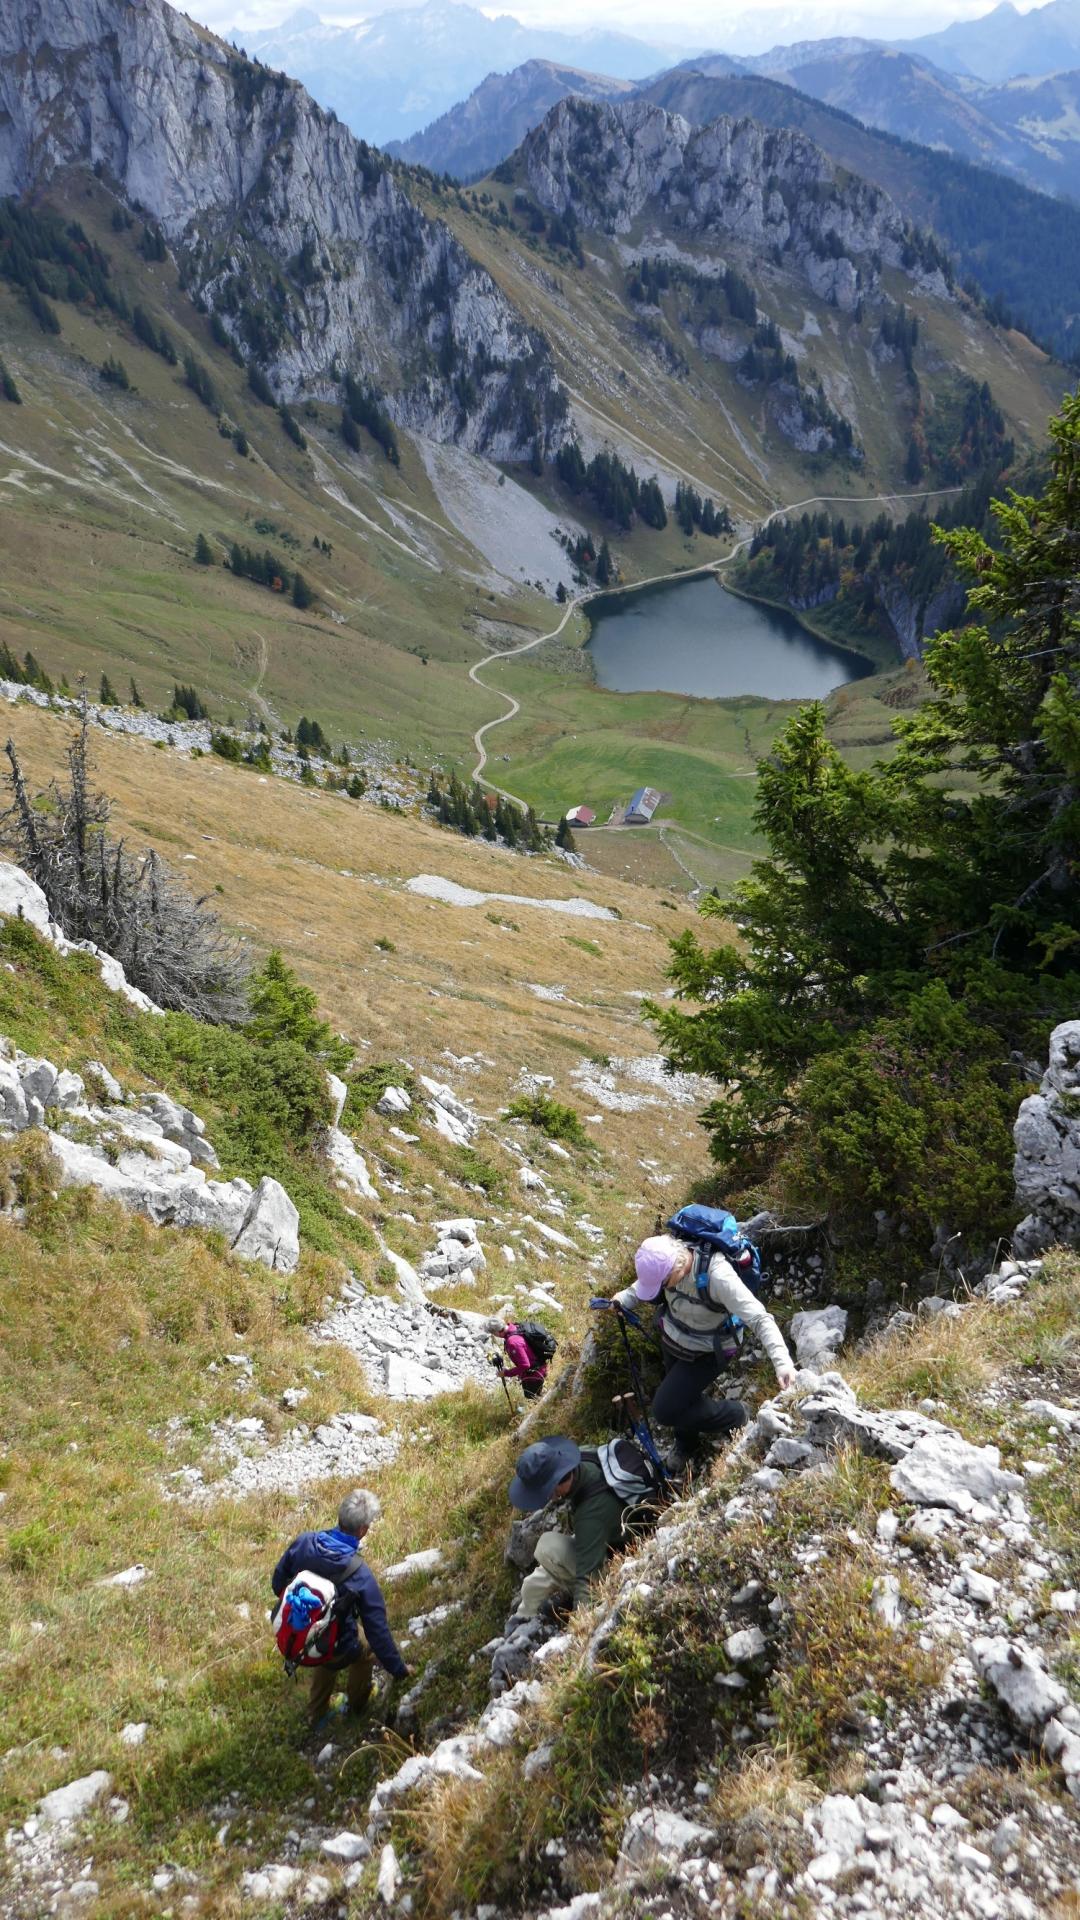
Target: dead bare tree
x,y
170,943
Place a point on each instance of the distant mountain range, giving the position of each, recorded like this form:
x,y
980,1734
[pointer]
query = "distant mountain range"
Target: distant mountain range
x,y
443,85
395,73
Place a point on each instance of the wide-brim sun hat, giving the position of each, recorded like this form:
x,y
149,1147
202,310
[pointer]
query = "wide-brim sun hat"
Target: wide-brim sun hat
x,y
539,1470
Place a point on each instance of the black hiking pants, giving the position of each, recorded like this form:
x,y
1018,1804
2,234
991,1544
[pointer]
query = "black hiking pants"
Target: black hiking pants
x,y
682,1401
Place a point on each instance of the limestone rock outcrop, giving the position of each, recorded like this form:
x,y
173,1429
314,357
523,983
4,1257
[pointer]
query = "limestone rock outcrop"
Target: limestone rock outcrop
x,y
1047,1139
608,163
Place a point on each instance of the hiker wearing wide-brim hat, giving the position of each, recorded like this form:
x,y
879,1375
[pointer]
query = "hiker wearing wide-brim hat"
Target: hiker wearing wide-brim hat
x,y
600,1483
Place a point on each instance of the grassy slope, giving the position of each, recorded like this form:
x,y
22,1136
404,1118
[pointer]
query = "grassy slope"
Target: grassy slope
x,y
129,1324
103,494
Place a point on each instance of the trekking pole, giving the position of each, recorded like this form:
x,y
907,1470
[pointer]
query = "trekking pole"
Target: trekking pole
x,y
495,1361
640,1428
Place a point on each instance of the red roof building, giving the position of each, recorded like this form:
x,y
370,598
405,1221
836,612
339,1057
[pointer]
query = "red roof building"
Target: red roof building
x,y
581,816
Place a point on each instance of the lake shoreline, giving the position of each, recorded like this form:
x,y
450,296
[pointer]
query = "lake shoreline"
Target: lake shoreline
x,y
745,648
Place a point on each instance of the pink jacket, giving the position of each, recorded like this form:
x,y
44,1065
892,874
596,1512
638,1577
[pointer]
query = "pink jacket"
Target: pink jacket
x,y
520,1356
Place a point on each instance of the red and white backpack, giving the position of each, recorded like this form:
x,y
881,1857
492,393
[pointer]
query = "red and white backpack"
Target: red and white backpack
x,y
308,1618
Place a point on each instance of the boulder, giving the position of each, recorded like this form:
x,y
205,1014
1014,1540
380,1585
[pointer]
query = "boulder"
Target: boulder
x,y
339,1093
14,1112
1013,1671
656,1836
942,1470
346,1847
64,1805
270,1229
393,1100
818,1334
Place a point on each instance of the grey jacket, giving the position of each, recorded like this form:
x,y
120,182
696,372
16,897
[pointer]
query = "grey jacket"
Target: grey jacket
x,y
689,1326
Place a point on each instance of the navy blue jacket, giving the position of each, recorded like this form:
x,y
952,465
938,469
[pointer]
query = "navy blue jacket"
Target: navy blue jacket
x,y
328,1553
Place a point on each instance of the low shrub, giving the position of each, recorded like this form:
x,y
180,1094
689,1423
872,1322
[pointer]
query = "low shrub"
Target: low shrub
x,y
559,1122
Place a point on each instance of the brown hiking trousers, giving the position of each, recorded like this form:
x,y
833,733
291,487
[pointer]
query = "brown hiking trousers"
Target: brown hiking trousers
x,y
357,1676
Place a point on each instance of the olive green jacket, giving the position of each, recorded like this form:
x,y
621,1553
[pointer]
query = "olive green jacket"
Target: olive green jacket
x,y
597,1519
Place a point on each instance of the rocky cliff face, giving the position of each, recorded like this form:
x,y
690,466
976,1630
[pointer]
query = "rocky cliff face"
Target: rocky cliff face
x,y
613,164
297,234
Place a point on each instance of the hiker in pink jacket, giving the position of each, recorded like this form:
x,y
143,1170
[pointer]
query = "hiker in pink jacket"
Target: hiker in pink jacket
x,y
522,1363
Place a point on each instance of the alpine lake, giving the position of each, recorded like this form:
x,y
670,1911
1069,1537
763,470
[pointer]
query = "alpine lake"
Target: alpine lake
x,y
693,636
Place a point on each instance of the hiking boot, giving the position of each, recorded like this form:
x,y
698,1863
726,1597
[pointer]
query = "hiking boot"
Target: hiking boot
x,y
677,1460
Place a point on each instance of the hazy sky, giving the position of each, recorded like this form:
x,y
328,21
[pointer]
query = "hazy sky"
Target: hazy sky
x,y
698,23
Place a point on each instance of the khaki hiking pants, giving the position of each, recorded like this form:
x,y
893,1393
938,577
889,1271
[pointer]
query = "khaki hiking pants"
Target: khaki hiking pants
x,y
357,1677
555,1572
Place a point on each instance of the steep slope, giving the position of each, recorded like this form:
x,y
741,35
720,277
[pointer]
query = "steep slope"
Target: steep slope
x,y
396,71
479,132
1018,246
302,242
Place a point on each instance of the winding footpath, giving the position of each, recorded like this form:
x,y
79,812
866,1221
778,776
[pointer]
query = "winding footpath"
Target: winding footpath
x,y
513,706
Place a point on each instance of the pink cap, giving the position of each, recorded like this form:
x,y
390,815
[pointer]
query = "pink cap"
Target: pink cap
x,y
653,1262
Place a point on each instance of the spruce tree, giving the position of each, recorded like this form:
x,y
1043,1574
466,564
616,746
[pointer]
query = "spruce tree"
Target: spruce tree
x,y
204,552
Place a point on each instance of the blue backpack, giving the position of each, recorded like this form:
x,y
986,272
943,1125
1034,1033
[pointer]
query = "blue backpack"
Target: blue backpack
x,y
712,1230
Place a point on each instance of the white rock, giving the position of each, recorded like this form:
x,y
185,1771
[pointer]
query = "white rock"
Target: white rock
x,y
339,1093
1021,1683
818,1334
1065,1602
888,1526
825,1868
946,1471
346,1847
885,1600
426,1561
948,1817
749,1643
66,1804
538,1761
134,1733
270,1229
659,1836
316,1888
350,1167
130,1577
980,1588
1054,1416
389,1875
393,1100
269,1883
23,899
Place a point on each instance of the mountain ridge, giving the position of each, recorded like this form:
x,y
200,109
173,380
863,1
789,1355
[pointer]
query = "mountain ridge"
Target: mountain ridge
x,y
295,234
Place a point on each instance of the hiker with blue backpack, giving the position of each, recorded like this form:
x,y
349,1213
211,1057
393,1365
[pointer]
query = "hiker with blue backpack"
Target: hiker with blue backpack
x,y
701,1271
324,1588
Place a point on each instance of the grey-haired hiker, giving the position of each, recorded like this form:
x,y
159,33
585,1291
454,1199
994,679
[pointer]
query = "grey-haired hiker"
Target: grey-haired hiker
x,y
334,1553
